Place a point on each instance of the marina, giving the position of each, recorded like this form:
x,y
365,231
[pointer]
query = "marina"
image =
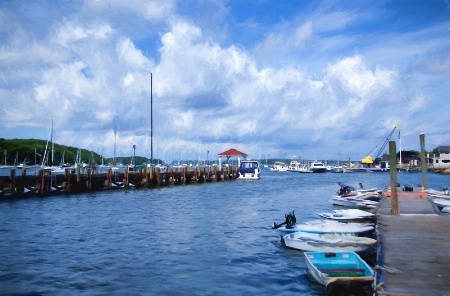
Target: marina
x,y
94,238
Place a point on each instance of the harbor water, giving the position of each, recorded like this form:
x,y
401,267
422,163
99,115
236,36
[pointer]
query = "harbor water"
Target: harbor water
x,y
197,239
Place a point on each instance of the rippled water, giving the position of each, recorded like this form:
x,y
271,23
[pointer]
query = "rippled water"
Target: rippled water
x,y
205,239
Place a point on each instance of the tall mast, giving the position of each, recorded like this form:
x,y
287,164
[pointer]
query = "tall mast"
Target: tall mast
x,y
53,145
151,118
114,160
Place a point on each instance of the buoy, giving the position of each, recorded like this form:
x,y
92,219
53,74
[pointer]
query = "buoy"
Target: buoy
x,y
389,192
422,191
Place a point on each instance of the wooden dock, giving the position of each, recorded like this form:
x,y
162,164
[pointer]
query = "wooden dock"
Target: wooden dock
x,y
72,180
413,255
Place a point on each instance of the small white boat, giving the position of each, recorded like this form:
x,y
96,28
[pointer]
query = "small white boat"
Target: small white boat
x,y
347,215
294,166
340,270
337,169
317,167
354,202
327,226
327,242
441,202
249,170
279,166
437,194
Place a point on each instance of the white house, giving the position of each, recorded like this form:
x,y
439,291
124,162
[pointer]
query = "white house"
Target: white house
x,y
443,160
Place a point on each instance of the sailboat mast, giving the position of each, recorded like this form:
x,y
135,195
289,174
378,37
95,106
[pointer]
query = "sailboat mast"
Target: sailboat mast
x,y
151,118
53,146
114,160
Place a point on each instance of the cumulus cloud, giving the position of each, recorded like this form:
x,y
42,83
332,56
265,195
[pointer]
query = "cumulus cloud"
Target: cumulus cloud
x,y
300,84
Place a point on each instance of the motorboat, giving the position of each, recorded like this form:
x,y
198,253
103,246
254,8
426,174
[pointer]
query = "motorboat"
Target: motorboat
x,y
317,167
347,215
326,226
337,169
249,170
279,166
327,242
354,202
294,166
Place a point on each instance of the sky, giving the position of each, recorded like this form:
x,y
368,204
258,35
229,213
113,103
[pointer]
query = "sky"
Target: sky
x,y
311,80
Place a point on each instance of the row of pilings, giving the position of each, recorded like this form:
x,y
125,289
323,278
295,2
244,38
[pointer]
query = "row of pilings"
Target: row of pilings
x,y
72,180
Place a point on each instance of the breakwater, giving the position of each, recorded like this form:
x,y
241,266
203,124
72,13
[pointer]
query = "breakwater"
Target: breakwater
x,y
74,180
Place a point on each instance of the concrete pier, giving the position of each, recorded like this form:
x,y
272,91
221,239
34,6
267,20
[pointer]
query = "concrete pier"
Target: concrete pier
x,y
413,248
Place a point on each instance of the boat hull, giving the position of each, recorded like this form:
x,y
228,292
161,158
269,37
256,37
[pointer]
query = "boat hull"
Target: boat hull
x,y
313,242
354,202
329,226
348,215
340,271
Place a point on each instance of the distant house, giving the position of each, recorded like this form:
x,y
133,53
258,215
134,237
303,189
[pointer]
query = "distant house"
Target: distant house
x,y
442,160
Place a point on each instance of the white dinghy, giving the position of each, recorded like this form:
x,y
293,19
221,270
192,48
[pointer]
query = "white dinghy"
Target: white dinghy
x,y
347,215
327,242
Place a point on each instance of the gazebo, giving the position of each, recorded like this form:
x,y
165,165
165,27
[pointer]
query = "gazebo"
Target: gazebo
x,y
231,153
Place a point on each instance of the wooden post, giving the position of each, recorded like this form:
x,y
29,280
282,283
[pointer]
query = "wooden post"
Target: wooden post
x,y
172,177
41,182
423,160
78,173
108,177
214,174
125,177
393,173
158,177
12,177
150,169
67,174
89,174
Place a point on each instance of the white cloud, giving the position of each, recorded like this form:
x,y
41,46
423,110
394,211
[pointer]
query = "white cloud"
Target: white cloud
x,y
357,79
305,78
70,32
303,33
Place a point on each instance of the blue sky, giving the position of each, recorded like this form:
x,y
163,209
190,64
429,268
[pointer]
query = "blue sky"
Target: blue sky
x,y
272,78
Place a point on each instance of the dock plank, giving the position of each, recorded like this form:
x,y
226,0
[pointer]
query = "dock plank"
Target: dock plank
x,y
415,244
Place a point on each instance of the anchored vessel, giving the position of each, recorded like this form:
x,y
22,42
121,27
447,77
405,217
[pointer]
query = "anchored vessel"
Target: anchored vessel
x,y
249,169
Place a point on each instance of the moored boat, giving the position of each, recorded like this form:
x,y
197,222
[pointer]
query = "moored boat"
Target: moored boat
x,y
340,271
327,226
354,202
279,166
327,242
294,166
317,167
441,202
249,170
347,215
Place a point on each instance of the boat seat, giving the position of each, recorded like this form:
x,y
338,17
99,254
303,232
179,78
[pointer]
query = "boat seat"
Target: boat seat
x,y
342,270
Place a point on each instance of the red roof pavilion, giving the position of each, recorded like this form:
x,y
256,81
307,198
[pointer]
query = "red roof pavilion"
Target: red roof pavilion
x,y
232,152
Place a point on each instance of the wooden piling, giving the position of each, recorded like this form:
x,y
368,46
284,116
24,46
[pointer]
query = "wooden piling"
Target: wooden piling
x,y
73,180
12,177
89,179
393,174
423,160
